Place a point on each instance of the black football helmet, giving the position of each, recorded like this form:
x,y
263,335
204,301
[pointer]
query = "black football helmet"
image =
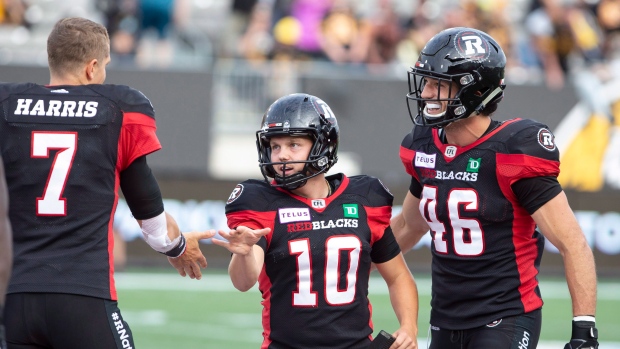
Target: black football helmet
x,y
299,114
470,58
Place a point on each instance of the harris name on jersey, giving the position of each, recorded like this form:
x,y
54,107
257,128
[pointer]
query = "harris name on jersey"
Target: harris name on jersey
x,y
53,107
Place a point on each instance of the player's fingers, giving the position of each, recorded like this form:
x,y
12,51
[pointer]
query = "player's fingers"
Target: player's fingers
x,y
196,270
189,270
207,234
220,242
406,343
202,261
262,232
179,269
400,341
224,234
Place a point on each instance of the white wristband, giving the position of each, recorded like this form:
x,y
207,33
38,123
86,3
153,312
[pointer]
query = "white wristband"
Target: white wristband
x,y
155,232
584,318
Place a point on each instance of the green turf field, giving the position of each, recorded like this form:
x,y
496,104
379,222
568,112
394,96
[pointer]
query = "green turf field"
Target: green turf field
x,y
165,310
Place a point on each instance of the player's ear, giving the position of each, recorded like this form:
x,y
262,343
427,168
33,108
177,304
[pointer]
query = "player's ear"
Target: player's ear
x,y
90,68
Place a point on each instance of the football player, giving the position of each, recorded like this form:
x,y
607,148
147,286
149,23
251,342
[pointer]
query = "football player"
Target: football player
x,y
488,192
67,147
310,239
6,250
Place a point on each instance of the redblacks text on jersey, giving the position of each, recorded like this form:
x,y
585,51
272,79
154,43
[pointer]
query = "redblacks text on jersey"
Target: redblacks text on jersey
x,y
485,245
317,259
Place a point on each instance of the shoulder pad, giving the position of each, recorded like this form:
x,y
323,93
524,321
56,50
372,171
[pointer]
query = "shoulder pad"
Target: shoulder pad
x,y
532,138
249,195
419,134
7,89
372,189
127,98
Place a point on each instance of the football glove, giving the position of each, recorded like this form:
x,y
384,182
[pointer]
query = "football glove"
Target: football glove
x,y
584,336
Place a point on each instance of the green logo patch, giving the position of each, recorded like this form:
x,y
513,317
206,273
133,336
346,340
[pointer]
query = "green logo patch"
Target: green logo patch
x,y
473,165
350,210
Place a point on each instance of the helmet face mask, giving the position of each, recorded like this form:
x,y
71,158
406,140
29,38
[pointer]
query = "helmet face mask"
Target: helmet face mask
x,y
298,115
470,61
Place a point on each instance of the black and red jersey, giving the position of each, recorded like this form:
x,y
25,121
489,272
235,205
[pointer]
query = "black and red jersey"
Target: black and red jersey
x,y
314,281
486,250
63,149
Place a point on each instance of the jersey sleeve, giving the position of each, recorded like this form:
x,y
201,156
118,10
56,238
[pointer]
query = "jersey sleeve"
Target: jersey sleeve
x,y
407,154
385,248
246,207
530,152
379,213
138,136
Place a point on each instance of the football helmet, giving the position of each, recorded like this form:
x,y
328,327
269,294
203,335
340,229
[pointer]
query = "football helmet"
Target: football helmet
x,y
299,115
468,57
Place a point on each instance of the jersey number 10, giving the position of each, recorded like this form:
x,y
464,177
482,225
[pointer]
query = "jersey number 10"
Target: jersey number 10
x,y
305,296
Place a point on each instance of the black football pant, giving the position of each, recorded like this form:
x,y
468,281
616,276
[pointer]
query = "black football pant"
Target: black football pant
x,y
64,321
514,332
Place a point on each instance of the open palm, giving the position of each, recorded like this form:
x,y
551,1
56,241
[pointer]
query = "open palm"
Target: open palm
x,y
241,240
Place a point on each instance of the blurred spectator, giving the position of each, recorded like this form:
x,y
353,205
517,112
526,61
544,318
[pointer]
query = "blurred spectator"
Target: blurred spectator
x,y
257,42
240,16
158,19
304,19
608,13
288,29
344,38
423,24
561,33
12,12
386,31
122,24
570,44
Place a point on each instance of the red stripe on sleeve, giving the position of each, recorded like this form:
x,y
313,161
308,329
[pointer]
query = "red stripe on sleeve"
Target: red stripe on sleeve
x,y
264,285
253,220
511,168
113,295
259,220
378,221
137,138
407,156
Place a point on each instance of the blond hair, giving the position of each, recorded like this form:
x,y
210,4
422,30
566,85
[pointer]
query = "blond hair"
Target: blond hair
x,y
75,41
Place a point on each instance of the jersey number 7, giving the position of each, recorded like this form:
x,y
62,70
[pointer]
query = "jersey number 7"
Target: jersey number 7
x,y
52,203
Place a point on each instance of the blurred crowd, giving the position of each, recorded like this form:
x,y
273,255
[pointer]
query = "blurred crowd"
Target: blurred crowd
x,y
548,36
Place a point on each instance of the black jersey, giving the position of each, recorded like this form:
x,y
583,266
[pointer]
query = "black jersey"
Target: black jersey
x,y
486,250
314,281
63,149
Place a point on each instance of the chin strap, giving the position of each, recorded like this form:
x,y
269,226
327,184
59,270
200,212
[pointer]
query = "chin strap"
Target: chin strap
x,y
489,98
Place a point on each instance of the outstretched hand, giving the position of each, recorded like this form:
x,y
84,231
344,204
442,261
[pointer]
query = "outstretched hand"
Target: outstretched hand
x,y
241,240
190,262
